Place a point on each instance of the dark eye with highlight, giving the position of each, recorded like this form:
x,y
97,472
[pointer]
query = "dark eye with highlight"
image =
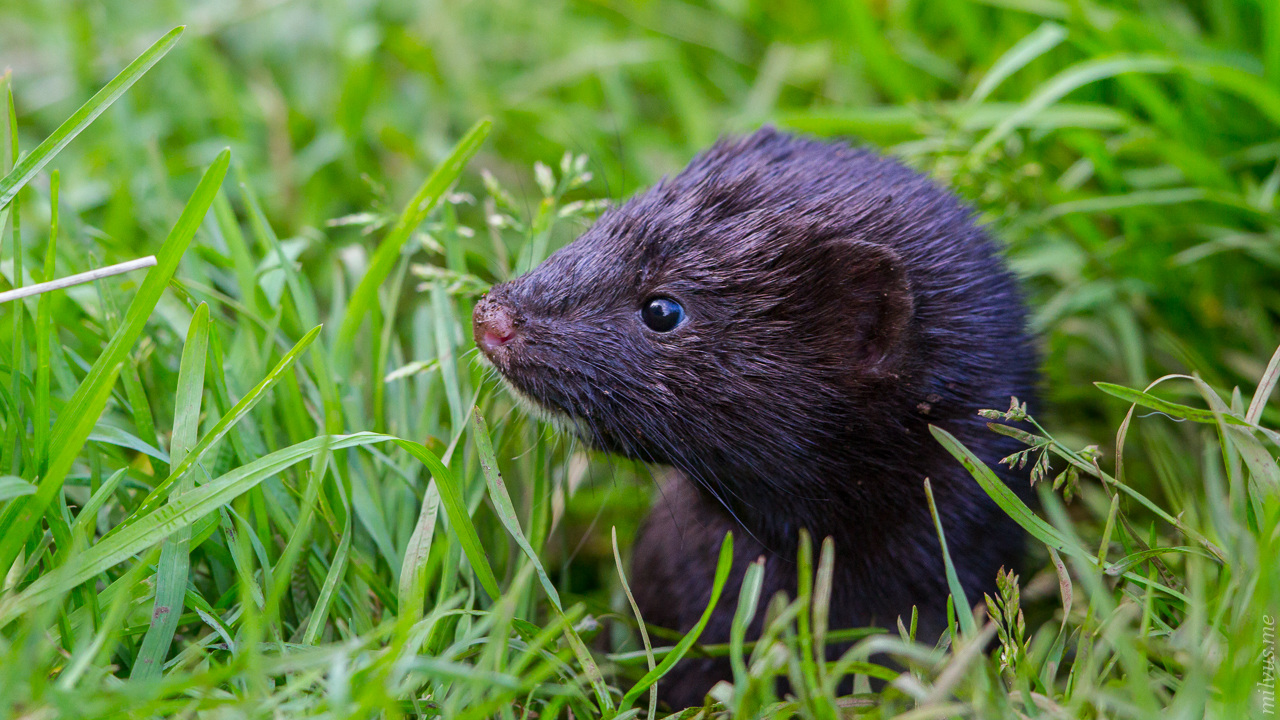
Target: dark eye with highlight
x,y
662,314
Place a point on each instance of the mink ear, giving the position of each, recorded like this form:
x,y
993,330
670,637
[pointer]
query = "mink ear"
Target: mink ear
x,y
870,307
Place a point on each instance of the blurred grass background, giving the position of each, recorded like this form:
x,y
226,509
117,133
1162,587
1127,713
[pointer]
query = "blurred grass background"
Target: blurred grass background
x,y
1128,153
1138,202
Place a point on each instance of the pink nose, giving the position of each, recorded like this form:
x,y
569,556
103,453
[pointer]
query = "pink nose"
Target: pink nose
x,y
492,325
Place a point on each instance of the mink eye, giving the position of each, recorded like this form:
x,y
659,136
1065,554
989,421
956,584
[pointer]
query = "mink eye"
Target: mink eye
x,y
662,314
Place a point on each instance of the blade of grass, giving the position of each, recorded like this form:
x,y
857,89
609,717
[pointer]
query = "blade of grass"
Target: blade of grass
x,y
413,582
455,508
444,320
722,575
502,503
1265,386
12,486
80,119
139,406
81,412
1264,474
1004,497
644,632
223,426
250,559
179,513
112,435
304,302
175,561
384,258
337,568
1147,400
283,570
507,516
44,331
964,611
1059,86
86,519
117,612
1018,510
1040,41
822,589
13,441
808,667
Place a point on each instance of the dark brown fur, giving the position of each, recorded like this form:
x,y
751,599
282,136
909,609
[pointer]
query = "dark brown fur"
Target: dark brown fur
x,y
837,304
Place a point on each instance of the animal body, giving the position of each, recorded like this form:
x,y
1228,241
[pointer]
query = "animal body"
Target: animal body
x,y
779,324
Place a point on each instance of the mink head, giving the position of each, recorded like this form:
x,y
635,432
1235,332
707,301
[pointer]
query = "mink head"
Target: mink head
x,y
769,317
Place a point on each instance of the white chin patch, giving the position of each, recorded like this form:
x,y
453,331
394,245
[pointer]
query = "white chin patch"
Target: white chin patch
x,y
562,422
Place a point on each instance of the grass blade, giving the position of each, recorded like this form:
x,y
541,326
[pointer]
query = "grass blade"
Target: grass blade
x,y
1175,410
507,516
455,507
1264,474
13,441
748,605
86,519
180,512
444,324
1004,497
337,567
722,574
175,561
110,624
284,568
964,611
1265,386
1040,41
749,583
43,420
423,201
1018,510
12,486
413,588
80,119
224,425
81,412
502,503
1060,85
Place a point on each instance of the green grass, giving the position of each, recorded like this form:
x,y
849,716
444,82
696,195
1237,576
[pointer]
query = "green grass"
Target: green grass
x,y
268,476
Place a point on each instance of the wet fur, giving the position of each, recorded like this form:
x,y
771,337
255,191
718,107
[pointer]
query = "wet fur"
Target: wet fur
x,y
837,304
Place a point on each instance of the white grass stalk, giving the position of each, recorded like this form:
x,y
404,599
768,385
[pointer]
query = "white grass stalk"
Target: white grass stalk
x,y
77,279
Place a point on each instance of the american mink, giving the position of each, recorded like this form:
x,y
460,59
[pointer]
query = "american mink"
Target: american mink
x,y
780,323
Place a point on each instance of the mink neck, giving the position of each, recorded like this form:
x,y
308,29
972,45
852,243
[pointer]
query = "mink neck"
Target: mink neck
x,y
867,494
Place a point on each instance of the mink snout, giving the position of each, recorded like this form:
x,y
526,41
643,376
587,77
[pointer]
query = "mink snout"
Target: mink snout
x,y
494,325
